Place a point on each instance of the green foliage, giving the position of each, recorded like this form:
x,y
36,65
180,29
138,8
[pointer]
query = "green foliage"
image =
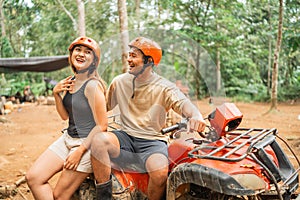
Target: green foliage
x,y
239,32
291,90
11,83
6,49
9,87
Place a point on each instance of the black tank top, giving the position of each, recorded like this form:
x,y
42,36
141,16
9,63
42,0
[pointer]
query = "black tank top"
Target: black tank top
x,y
81,119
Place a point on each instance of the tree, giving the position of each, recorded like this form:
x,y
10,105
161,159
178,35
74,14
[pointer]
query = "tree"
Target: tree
x,y
81,18
79,26
3,33
124,32
238,36
276,58
270,49
6,49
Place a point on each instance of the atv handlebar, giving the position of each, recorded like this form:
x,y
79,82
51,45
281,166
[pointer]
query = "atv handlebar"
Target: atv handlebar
x,y
210,135
179,125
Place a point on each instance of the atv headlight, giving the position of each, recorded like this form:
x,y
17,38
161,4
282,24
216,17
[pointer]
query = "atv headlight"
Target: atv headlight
x,y
250,181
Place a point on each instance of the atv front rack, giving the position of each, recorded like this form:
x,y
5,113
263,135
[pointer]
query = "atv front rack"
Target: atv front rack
x,y
238,144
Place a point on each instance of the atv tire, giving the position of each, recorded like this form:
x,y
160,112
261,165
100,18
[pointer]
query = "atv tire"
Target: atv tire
x,y
188,196
201,193
218,196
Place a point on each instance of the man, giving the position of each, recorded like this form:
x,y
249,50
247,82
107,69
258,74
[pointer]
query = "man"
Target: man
x,y
143,98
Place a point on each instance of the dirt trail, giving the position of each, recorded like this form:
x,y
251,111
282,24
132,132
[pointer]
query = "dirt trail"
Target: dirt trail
x,y
31,128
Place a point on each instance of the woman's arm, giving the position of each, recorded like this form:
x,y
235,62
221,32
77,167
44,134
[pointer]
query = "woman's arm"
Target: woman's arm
x,y
62,86
96,98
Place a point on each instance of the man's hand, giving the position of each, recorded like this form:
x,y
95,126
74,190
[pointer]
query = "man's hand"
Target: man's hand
x,y
197,124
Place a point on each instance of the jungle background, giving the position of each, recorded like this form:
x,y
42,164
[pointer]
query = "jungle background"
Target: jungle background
x,y
240,37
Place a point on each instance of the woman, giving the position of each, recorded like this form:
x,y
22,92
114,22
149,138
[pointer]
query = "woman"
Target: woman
x,y
83,104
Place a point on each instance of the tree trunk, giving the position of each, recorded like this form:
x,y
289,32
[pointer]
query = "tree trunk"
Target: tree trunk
x,y
138,12
81,17
276,58
69,15
218,71
218,61
270,50
3,33
124,32
198,74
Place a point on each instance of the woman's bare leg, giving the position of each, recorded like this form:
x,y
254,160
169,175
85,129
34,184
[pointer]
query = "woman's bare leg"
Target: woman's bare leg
x,y
67,184
45,167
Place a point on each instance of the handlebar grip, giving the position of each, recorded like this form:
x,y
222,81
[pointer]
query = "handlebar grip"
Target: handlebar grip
x,y
169,129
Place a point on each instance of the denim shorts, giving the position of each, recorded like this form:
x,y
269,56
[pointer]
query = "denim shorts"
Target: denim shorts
x,y
65,145
135,151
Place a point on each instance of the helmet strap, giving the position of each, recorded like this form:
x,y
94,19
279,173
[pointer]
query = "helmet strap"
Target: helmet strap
x,y
139,73
82,71
91,69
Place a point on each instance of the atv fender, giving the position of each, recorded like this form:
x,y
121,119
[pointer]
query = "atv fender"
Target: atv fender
x,y
206,177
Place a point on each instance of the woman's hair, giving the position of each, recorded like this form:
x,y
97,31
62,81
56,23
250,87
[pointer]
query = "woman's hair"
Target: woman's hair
x,y
102,82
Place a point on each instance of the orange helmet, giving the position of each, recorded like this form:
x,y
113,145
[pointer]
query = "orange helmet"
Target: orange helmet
x,y
148,47
88,42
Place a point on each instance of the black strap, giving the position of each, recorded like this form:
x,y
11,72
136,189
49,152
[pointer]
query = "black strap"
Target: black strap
x,y
139,73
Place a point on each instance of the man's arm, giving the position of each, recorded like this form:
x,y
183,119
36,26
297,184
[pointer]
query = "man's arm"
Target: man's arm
x,y
196,121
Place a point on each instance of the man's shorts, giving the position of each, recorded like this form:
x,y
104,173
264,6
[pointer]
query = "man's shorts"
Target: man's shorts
x,y
135,151
65,145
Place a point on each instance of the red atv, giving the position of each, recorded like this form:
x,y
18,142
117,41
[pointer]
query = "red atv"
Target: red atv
x,y
225,163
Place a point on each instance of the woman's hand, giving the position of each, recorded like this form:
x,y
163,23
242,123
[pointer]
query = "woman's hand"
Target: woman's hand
x,y
64,85
74,158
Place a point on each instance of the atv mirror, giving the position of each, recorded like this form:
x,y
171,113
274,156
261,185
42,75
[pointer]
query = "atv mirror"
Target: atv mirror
x,y
225,118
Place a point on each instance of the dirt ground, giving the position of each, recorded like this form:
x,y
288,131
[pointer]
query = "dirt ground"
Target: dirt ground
x,y
28,130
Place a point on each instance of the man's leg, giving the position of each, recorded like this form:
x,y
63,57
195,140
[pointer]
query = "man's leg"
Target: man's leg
x,y
103,146
157,167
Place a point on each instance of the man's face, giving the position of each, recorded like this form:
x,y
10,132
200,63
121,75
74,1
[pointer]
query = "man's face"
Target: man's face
x,y
135,61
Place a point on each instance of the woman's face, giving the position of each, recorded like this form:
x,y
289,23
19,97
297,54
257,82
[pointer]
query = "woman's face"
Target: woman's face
x,y
82,57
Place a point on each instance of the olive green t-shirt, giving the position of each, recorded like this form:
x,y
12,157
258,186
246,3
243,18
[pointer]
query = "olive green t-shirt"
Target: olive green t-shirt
x,y
143,114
